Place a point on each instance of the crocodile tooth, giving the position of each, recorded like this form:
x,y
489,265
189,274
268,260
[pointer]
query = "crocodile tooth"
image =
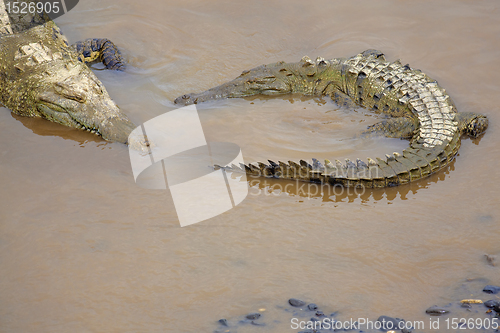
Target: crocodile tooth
x,y
88,129
389,157
236,168
396,154
284,169
253,167
320,61
329,164
360,163
330,169
305,164
371,162
307,61
317,165
296,169
349,164
274,165
262,166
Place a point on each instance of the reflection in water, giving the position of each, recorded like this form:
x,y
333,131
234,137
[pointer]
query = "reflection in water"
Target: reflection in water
x,y
44,127
268,186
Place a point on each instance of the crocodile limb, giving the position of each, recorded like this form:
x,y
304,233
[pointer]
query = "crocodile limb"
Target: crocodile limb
x,y
421,111
400,127
41,76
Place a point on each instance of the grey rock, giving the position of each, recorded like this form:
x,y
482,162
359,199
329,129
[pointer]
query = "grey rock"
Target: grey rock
x,y
312,307
491,303
253,316
489,289
389,323
436,311
296,302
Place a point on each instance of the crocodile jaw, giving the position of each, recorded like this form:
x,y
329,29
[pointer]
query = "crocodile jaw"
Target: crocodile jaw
x,y
74,97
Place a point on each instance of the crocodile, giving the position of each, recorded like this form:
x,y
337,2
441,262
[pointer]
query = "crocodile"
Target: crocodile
x,y
41,75
419,109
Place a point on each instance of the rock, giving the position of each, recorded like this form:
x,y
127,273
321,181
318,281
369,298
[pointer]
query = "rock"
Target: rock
x,y
491,259
436,311
489,289
389,323
320,314
296,302
312,307
471,301
253,316
223,322
491,303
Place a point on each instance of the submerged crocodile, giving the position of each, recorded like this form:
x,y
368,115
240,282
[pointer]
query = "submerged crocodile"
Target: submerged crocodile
x,y
41,75
420,109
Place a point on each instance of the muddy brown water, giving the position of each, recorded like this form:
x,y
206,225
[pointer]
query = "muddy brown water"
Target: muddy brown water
x,y
84,249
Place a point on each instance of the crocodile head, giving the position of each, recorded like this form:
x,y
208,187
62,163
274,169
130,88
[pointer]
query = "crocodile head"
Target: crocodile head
x,y
74,97
472,124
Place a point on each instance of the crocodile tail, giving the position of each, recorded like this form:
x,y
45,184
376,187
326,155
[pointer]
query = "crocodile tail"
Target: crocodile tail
x,y
415,162
100,49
